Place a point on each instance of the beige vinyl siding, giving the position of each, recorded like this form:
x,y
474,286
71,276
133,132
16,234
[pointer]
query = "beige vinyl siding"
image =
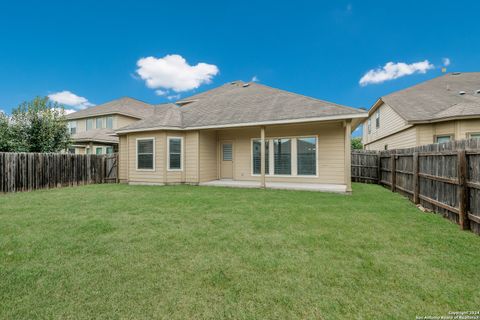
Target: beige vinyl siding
x,y
331,155
208,156
467,127
122,158
122,121
191,156
140,176
390,122
403,139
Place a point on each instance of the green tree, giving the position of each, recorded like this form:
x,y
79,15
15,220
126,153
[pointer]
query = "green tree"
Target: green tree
x,y
5,133
38,126
357,143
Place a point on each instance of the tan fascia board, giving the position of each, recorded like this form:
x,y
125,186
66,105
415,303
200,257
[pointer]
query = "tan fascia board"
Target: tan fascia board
x,y
444,119
250,124
375,106
105,114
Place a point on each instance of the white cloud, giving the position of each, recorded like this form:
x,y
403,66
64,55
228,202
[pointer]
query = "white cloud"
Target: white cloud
x,y
393,70
172,72
174,97
70,99
255,79
161,92
446,62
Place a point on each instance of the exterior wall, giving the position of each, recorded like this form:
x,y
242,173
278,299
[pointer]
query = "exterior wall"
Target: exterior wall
x,y
118,122
422,134
403,139
390,122
331,151
208,156
201,149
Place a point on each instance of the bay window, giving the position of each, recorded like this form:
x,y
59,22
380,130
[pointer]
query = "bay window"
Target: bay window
x,y
145,154
175,153
306,156
257,147
286,156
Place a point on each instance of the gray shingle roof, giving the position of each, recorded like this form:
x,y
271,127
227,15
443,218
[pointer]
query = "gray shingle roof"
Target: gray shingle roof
x,y
126,106
240,103
96,135
438,98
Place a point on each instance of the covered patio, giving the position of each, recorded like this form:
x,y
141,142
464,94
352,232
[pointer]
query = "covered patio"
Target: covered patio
x,y
322,187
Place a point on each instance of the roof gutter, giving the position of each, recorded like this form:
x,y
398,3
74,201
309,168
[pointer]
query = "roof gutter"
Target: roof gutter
x,y
251,124
444,119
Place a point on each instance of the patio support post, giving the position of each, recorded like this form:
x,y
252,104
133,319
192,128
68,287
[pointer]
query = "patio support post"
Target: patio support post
x,y
262,156
348,155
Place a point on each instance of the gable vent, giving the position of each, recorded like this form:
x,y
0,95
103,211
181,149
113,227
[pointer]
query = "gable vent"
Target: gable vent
x,y
246,85
478,91
461,93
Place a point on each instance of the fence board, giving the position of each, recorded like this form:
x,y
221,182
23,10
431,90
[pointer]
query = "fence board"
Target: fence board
x,y
30,171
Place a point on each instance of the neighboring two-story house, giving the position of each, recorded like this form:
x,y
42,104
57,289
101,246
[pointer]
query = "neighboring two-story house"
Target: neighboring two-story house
x,y
442,109
93,129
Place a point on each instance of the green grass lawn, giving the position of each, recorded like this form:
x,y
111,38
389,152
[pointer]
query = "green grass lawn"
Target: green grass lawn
x,y
185,252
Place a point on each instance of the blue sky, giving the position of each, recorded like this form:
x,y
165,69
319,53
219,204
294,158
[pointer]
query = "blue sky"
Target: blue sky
x,y
94,49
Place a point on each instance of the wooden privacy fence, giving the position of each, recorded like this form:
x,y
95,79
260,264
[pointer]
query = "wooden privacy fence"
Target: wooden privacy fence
x,y
443,177
31,171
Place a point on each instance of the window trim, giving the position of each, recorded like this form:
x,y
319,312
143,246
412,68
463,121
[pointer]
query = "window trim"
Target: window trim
x,y
369,125
181,153
377,119
451,135
102,124
136,154
70,127
469,134
96,148
271,162
86,124
106,122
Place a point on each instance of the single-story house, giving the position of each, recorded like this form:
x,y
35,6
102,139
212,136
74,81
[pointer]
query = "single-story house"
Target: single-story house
x,y
242,134
442,109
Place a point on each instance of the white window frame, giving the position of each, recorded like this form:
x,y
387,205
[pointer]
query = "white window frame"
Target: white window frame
x,y
470,134
377,119
369,125
136,153
106,121
86,124
102,123
70,126
99,148
181,153
294,165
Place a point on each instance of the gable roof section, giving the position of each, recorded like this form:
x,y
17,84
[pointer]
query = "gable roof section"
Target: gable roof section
x,y
124,106
238,103
437,99
97,135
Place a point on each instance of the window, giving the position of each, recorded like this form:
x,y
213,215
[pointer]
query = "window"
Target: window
x,y
72,127
145,154
109,122
87,151
282,156
175,153
98,150
227,152
377,119
99,123
475,135
442,139
257,156
369,125
89,124
307,156
385,147
109,150
71,150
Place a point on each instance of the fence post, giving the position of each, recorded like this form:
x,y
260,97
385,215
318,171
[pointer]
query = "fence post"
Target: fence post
x,y
462,190
416,184
393,169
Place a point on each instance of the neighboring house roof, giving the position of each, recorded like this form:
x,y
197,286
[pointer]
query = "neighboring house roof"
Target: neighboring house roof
x,y
238,103
451,96
96,135
124,106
